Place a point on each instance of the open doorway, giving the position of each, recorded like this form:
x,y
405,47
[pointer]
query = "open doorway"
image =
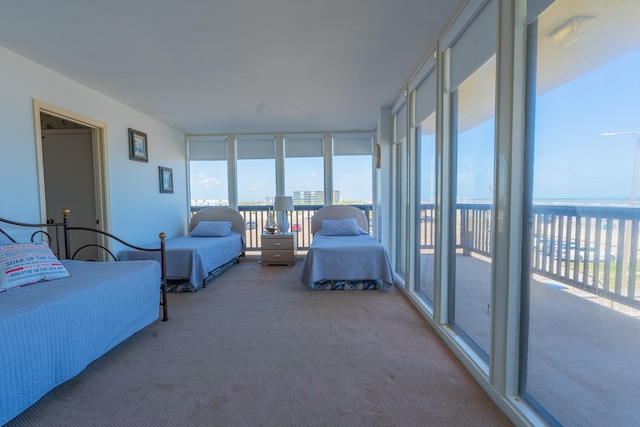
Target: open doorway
x,y
71,170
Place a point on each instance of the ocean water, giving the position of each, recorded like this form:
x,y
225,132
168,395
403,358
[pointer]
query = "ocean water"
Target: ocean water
x,y
581,201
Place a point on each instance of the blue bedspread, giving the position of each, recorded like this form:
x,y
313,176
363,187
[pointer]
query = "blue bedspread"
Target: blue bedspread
x,y
346,258
192,258
50,331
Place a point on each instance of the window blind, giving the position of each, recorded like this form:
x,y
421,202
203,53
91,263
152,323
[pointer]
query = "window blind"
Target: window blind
x,y
401,124
352,144
207,147
256,146
475,45
303,145
425,98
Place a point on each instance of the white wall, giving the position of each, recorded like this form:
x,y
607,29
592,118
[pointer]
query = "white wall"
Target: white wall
x,y
137,210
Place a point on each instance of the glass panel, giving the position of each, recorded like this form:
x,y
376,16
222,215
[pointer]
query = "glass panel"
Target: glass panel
x,y
426,214
401,208
352,178
474,204
208,182
583,327
256,181
304,180
352,182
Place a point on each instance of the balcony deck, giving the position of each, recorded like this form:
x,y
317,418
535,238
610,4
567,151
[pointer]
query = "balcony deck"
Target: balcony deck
x,y
583,355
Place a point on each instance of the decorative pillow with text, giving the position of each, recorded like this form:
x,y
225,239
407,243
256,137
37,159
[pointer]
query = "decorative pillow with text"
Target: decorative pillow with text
x,y
26,263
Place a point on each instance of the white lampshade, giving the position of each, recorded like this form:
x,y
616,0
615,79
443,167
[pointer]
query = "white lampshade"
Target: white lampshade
x,y
283,203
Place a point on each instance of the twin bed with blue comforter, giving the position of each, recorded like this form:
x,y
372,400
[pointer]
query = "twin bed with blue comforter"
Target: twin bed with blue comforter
x,y
215,241
343,255
50,331
58,316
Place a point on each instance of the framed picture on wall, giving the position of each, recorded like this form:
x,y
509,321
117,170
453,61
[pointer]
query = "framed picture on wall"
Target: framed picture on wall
x,y
138,146
166,180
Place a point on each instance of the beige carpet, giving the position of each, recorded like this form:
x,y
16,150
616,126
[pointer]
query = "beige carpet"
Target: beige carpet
x,y
256,348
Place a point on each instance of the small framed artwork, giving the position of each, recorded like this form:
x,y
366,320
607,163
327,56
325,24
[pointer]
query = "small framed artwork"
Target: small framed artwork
x,y
166,180
138,146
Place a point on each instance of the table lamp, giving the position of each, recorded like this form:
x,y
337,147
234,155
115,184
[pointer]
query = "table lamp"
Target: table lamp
x,y
283,204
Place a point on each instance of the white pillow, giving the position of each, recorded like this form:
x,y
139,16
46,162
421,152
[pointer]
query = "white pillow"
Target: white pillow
x,y
341,227
25,263
212,229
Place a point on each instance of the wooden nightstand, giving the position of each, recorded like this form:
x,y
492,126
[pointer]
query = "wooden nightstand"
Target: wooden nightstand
x,y
279,249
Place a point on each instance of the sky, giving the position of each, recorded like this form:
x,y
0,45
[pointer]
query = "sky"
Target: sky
x,y
572,157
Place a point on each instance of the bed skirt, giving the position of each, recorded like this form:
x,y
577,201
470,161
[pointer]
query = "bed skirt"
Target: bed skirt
x,y
341,285
175,286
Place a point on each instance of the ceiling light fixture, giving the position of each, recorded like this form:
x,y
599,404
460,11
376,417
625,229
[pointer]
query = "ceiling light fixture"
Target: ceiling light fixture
x,y
570,30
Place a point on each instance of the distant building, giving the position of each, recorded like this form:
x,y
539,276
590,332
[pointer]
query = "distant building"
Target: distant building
x,y
309,197
209,202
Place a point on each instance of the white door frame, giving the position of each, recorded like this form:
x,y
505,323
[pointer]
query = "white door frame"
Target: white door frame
x,y
99,137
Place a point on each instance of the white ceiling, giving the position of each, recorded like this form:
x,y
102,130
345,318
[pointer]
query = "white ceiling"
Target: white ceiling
x,y
206,66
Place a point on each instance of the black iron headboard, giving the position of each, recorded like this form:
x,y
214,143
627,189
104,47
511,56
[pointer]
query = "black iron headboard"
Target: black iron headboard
x,y
64,230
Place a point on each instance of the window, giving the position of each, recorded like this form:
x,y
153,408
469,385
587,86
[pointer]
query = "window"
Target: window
x,y
425,119
304,180
426,211
473,147
304,168
582,354
256,169
209,183
400,193
208,178
352,169
474,206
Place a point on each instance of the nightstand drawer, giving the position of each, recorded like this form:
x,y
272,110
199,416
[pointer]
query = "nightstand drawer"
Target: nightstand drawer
x,y
277,243
275,256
